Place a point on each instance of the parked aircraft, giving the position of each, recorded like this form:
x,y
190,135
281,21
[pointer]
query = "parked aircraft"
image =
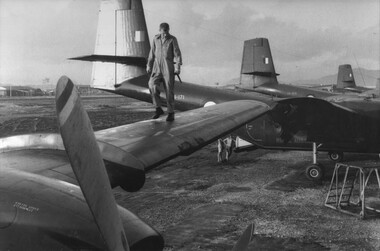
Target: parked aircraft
x,y
333,123
39,196
345,82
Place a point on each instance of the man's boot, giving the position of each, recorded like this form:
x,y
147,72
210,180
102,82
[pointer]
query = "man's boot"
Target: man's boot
x,y
159,112
170,116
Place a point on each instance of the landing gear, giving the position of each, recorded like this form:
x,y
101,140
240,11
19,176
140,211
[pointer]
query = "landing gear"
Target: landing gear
x,y
315,171
336,156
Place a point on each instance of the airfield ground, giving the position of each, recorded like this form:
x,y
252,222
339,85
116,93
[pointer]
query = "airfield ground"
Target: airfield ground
x,y
198,204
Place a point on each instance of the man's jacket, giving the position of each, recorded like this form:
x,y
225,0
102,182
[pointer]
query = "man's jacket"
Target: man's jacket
x,y
164,55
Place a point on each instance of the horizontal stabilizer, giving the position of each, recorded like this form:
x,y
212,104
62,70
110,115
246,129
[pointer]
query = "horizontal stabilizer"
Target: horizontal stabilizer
x,y
127,60
260,73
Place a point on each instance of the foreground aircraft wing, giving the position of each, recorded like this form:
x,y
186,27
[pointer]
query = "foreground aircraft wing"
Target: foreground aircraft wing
x,y
130,150
50,163
136,148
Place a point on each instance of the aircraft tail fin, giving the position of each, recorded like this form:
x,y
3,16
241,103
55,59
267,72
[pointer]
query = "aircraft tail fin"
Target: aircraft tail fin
x,y
122,43
345,77
257,66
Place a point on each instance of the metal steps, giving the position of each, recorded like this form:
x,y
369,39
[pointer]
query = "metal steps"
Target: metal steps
x,y
342,194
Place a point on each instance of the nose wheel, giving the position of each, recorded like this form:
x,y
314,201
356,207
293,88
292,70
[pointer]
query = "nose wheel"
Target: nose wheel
x,y
315,171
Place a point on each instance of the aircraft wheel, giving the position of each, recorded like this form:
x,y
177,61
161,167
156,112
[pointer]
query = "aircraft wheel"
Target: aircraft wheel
x,y
336,156
314,172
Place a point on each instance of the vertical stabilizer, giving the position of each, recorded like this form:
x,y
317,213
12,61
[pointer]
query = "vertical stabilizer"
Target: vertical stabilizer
x,y
122,32
257,66
345,77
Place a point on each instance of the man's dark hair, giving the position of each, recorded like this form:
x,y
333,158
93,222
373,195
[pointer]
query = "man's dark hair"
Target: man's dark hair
x,y
164,26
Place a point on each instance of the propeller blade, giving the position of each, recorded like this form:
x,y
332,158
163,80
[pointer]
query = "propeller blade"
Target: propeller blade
x,y
245,239
87,163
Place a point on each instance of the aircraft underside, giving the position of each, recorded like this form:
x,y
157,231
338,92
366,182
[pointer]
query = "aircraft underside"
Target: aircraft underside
x,y
264,132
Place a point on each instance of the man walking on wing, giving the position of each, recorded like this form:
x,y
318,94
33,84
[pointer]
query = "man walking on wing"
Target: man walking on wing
x,y
164,62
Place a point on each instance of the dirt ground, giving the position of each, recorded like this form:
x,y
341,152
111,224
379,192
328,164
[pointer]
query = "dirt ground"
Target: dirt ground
x,y
198,204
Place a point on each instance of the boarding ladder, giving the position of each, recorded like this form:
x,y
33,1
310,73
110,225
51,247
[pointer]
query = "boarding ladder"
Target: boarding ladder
x,y
341,195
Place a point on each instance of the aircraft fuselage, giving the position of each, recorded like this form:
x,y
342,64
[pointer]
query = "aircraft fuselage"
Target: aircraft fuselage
x,y
265,132
286,91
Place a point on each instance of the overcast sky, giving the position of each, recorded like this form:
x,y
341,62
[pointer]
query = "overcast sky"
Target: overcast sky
x,y
309,39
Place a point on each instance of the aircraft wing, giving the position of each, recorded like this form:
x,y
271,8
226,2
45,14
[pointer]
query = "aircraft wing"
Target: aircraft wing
x,y
153,142
131,150
50,163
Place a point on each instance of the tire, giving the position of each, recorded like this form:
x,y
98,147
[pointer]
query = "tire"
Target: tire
x,y
314,172
336,156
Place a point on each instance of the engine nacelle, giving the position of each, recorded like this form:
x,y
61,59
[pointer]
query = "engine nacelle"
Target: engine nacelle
x,y
128,178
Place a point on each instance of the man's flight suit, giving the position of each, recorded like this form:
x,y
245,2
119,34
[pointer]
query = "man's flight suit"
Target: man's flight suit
x,y
163,54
